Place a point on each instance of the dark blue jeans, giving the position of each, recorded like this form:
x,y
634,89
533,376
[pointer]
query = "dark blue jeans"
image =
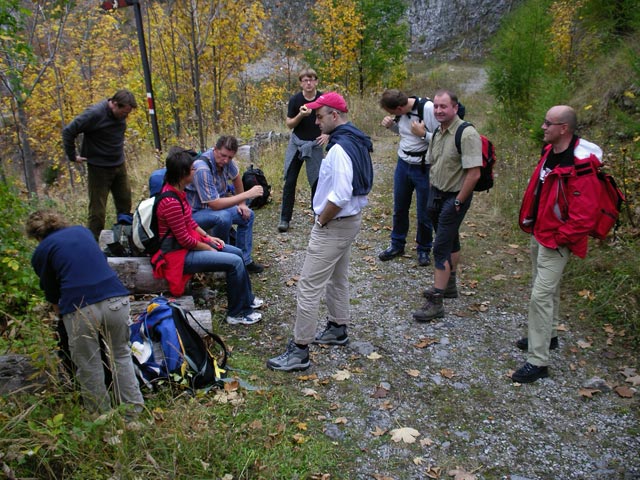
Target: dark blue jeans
x,y
229,260
406,179
219,222
446,222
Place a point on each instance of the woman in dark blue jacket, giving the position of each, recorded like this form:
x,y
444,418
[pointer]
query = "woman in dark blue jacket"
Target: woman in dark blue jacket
x,y
91,301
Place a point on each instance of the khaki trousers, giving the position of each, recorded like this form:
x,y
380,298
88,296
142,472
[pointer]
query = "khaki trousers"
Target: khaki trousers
x,y
111,318
544,307
325,270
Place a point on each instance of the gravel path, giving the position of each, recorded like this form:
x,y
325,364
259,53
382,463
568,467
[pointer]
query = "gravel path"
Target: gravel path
x,y
448,379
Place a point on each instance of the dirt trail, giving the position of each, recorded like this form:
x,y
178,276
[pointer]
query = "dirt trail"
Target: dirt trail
x,y
449,379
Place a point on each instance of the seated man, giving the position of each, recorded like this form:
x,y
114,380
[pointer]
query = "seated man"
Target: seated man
x,y
215,209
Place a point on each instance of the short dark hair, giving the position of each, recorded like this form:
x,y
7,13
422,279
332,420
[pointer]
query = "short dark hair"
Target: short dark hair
x,y
179,161
228,142
392,99
123,98
452,96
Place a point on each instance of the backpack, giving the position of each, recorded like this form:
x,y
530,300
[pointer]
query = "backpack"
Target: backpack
x,y
165,346
485,182
611,199
253,177
419,106
144,229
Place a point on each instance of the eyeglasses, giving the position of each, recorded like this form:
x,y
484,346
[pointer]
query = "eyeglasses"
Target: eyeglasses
x,y
547,123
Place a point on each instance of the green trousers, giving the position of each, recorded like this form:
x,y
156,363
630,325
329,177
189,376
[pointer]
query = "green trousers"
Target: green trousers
x,y
103,180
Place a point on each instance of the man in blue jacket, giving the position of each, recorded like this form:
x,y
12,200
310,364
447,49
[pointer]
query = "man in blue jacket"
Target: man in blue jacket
x,y
103,126
345,179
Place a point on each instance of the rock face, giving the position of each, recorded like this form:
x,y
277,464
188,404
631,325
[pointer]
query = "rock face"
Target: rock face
x,y
453,28
460,27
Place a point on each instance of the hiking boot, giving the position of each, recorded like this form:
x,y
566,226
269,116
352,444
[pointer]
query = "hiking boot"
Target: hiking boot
x,y
293,358
250,319
529,373
523,343
283,226
254,267
257,303
390,253
423,259
333,334
433,308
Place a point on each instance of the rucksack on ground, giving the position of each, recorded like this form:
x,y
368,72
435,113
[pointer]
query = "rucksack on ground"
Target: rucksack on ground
x,y
252,177
166,347
485,182
144,230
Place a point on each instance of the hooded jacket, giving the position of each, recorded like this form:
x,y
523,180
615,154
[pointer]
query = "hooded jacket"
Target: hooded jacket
x,y
561,210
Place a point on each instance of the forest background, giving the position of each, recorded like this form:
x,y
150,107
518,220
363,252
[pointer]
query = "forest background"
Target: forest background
x,y
58,57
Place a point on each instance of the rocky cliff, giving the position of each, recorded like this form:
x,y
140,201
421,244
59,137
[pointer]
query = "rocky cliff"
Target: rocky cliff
x,y
454,28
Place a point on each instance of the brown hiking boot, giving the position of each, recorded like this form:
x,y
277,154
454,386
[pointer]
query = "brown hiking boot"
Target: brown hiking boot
x,y
433,308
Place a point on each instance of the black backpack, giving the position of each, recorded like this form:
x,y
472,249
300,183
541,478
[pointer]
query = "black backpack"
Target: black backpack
x,y
253,177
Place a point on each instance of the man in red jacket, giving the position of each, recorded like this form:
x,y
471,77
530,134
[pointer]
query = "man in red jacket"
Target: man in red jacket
x,y
559,210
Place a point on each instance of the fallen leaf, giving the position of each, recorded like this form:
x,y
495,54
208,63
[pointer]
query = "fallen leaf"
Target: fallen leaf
x,y
426,442
418,460
305,378
588,392
405,434
562,328
628,372
624,391
378,432
413,372
342,375
374,356
299,438
461,474
425,342
433,472
447,373
310,392
635,381
379,392
341,421
377,476
301,426
499,277
584,344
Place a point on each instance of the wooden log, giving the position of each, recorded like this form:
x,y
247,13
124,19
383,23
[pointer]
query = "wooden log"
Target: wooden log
x,y
18,374
136,274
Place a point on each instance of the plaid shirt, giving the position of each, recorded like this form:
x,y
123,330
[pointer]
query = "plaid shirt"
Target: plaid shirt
x,y
209,183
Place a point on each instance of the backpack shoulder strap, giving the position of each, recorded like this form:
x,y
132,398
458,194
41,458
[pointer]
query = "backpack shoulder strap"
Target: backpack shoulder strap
x,y
162,196
458,138
420,104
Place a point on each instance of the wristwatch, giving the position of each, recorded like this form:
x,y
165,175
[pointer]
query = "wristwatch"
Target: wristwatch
x,y
457,202
321,225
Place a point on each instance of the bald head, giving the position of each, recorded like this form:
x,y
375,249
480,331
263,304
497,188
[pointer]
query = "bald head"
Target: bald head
x,y
564,114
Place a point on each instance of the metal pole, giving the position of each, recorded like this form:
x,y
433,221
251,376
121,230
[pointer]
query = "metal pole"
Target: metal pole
x,y
147,74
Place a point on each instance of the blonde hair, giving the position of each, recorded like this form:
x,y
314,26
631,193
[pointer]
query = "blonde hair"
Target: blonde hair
x,y
307,72
42,223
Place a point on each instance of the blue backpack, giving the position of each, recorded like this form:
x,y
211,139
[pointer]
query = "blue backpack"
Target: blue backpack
x,y
164,346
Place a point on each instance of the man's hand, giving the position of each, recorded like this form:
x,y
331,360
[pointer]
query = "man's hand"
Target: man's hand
x,y
388,121
244,211
305,111
322,139
255,191
80,159
418,129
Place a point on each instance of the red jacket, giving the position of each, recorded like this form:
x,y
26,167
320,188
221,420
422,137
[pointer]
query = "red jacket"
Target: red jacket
x,y
561,211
